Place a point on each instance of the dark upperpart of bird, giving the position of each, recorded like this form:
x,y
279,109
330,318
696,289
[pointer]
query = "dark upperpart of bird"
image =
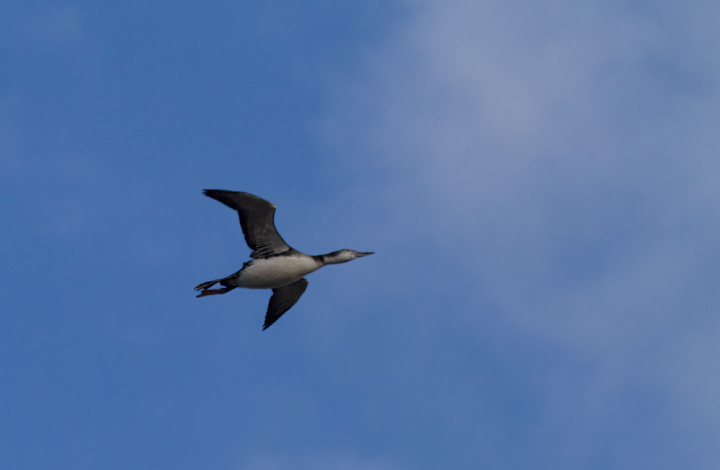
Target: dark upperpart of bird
x,y
274,264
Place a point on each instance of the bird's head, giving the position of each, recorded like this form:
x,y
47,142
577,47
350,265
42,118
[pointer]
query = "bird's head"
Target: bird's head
x,y
343,256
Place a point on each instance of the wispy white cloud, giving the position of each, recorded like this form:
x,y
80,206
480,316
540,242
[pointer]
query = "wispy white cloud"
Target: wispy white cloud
x,y
564,156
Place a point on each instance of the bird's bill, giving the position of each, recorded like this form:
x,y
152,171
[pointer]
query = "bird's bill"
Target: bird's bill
x,y
360,254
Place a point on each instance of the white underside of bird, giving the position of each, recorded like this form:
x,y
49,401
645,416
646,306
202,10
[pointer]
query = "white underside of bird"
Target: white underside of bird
x,y
270,273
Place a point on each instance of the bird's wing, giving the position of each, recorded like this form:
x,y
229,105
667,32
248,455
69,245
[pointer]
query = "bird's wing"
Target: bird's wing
x,y
256,220
282,299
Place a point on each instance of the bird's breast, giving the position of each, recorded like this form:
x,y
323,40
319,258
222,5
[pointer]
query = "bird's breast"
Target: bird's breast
x,y
278,271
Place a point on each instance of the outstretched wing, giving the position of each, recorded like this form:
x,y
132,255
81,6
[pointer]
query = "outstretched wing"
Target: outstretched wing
x,y
256,219
282,299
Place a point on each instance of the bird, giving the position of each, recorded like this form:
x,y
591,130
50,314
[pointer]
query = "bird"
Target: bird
x,y
273,264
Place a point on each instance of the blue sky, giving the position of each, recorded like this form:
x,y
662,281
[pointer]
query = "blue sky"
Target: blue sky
x,y
539,181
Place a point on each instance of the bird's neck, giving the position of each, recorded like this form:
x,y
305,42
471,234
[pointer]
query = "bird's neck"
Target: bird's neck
x,y
336,257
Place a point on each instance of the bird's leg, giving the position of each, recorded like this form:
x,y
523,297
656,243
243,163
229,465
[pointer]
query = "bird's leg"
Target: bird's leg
x,y
205,285
215,291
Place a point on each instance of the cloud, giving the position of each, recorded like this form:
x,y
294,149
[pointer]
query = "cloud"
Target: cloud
x,y
563,156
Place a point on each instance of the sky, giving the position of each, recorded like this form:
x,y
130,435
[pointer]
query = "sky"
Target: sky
x,y
539,181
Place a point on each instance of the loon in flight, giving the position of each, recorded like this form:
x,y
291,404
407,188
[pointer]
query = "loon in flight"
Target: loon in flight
x,y
274,264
